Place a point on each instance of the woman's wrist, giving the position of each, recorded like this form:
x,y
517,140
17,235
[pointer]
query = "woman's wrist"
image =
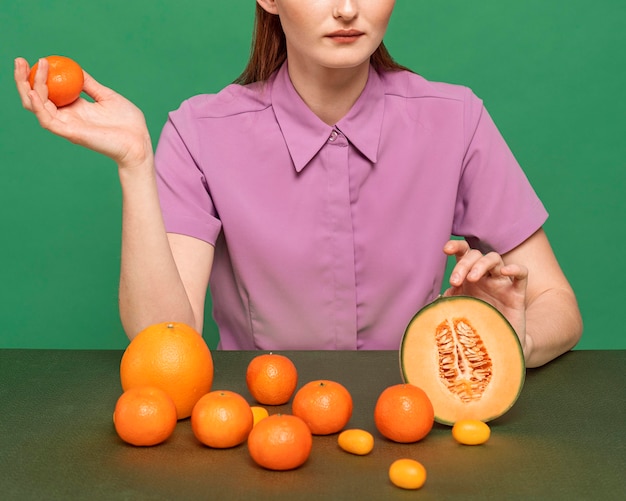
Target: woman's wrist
x,y
139,154
138,158
137,173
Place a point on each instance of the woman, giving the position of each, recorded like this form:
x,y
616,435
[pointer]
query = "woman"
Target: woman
x,y
318,195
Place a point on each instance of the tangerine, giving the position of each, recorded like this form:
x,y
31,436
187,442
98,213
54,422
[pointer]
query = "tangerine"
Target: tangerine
x,y
173,357
222,419
144,416
280,442
271,378
65,79
325,406
407,473
404,413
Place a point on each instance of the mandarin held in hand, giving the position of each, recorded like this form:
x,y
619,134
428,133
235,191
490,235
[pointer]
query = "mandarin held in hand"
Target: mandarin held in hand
x,y
173,357
65,80
144,416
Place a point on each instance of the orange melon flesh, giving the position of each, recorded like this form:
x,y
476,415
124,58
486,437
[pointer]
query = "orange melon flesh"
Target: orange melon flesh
x,y
467,358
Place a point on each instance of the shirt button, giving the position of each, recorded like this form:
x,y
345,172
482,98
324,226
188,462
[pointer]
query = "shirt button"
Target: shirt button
x,y
333,136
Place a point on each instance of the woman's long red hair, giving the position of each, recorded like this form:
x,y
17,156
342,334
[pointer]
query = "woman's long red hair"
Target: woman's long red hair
x,y
269,50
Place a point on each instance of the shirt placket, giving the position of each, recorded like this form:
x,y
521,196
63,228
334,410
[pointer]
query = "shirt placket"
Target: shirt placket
x,y
342,243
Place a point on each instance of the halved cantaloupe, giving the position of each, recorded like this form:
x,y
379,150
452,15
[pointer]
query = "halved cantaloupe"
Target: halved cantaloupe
x,y
467,358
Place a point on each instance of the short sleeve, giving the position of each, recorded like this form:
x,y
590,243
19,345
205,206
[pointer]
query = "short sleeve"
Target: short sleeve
x,y
496,207
185,200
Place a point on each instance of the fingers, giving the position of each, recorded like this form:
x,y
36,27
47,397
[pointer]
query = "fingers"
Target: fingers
x,y
38,107
472,265
39,90
456,248
91,87
41,76
34,99
517,273
22,69
96,90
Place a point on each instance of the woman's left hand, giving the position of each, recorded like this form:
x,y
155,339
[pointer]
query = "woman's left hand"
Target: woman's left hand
x,y
487,277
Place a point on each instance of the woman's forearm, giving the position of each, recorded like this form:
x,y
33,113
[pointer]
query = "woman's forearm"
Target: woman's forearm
x,y
151,289
553,326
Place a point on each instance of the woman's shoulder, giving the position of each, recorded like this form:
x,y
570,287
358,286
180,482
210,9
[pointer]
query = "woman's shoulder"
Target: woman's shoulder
x,y
407,84
232,100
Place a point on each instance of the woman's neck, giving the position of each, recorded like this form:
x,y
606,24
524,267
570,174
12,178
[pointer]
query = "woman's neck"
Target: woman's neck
x,y
330,93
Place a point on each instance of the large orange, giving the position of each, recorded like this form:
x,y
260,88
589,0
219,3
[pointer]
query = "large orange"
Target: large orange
x,y
222,419
65,80
325,406
144,415
404,413
173,357
271,378
280,442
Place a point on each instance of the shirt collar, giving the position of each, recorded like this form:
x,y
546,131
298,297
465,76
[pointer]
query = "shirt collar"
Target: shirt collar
x,y
305,133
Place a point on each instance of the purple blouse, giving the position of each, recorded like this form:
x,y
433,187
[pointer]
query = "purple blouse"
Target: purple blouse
x,y
331,237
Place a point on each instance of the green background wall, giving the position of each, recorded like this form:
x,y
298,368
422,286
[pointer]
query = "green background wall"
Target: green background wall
x,y
552,74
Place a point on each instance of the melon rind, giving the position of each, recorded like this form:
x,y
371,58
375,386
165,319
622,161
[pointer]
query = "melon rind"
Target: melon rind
x,y
419,363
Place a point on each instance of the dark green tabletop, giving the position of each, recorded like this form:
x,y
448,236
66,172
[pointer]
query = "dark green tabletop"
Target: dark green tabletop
x,y
564,439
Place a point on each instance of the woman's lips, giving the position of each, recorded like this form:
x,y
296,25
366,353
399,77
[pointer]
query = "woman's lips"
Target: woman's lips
x,y
345,36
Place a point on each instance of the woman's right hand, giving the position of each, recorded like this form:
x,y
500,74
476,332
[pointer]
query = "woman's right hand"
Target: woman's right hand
x,y
110,125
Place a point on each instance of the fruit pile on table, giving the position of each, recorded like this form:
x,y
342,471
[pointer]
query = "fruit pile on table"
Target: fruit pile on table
x,y
167,375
